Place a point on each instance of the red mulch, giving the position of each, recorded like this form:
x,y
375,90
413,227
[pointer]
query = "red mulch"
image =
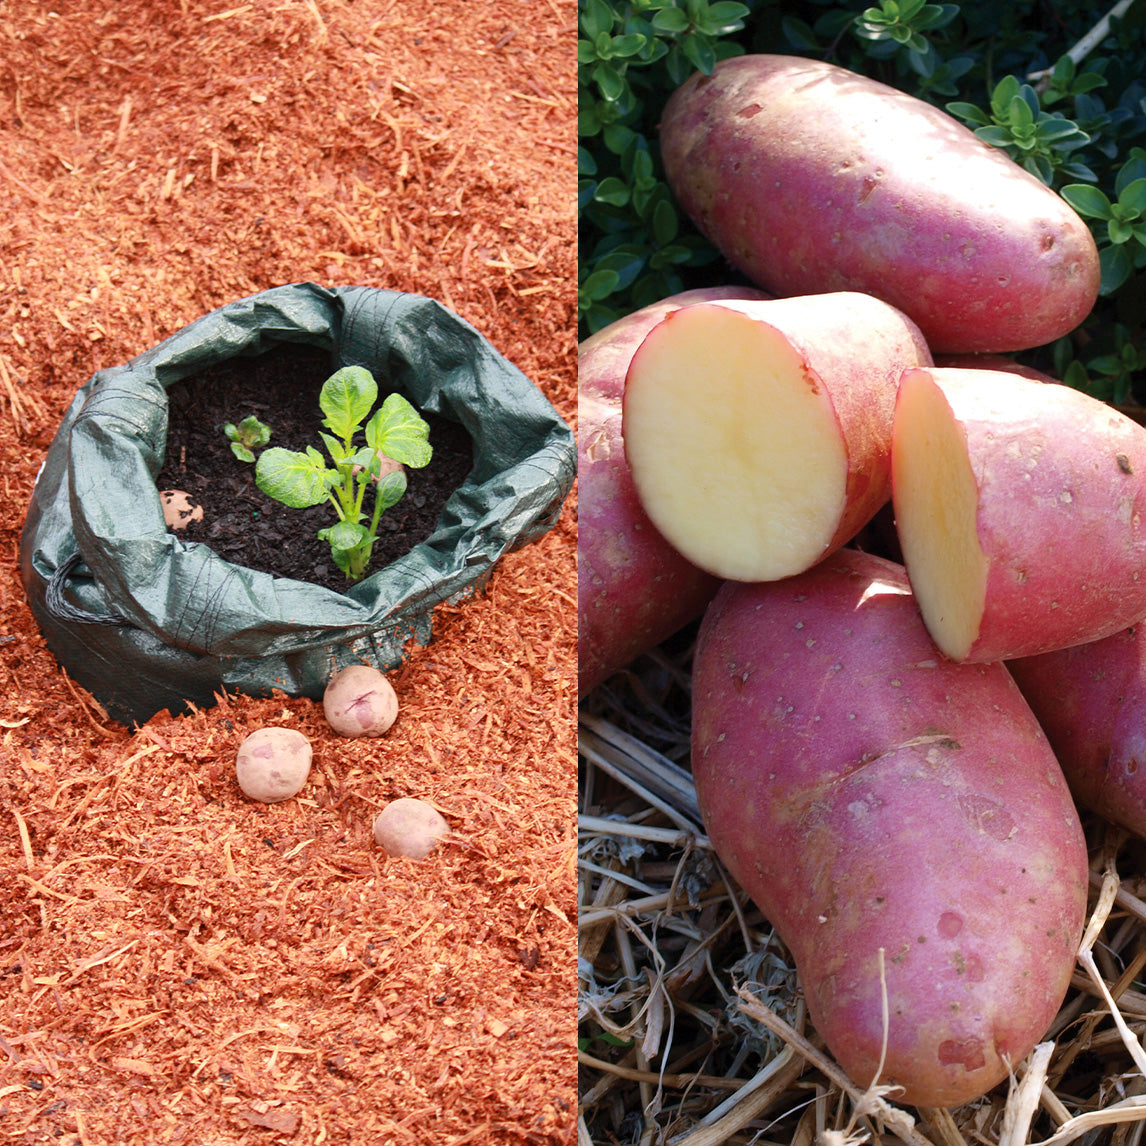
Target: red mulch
x,y
178,964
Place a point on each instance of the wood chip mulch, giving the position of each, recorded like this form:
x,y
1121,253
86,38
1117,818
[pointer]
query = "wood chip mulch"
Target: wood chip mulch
x,y
178,964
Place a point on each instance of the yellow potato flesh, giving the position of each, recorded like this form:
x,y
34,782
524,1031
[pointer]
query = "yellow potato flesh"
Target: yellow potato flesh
x,y
936,507
734,446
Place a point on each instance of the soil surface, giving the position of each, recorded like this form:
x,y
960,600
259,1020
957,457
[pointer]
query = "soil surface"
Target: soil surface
x,y
240,522
179,964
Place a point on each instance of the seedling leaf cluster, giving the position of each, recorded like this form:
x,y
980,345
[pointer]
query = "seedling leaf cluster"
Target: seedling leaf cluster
x,y
301,478
247,436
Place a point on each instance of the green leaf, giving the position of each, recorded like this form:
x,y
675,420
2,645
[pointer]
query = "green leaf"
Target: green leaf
x,y
799,34
599,285
612,191
1063,71
347,396
670,20
969,112
1119,231
726,16
1076,376
1005,91
400,432
665,223
344,536
1134,168
367,459
596,19
618,139
1133,198
334,447
935,16
995,136
699,53
292,478
609,81
1088,82
1088,201
1019,113
241,452
1053,129
390,490
626,46
1039,166
1116,268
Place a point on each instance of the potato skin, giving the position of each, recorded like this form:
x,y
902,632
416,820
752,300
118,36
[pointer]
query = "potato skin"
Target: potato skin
x,y
633,589
810,178
867,793
1091,702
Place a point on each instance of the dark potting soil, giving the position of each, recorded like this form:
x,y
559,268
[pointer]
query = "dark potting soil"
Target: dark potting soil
x,y
244,526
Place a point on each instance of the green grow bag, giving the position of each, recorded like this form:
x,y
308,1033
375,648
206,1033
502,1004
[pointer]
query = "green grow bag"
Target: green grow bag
x,y
147,621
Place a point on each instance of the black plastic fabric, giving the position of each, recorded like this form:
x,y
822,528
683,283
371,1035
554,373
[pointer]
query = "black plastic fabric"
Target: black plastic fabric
x,y
146,621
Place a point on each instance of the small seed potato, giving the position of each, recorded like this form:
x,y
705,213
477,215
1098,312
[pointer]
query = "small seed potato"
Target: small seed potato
x,y
360,701
179,508
409,827
273,764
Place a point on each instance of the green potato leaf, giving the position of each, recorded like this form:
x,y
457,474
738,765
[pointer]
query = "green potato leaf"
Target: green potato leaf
x,y
400,432
347,396
390,490
344,536
295,479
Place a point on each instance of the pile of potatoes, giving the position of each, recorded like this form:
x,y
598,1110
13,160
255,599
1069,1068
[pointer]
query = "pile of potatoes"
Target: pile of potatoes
x,y
273,764
888,756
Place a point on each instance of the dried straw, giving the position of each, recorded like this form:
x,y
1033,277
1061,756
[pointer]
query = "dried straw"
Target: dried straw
x,y
693,1030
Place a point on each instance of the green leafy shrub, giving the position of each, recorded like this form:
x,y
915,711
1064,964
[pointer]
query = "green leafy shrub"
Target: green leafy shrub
x,y
1078,122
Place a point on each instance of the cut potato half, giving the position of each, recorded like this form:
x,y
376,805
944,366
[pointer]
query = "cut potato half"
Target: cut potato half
x,y
1020,509
765,488
936,507
758,432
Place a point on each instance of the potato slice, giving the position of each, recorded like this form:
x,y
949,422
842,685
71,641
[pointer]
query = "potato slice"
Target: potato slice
x,y
782,410
1018,505
938,498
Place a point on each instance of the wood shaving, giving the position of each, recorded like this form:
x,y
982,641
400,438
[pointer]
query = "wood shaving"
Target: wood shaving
x,y
178,964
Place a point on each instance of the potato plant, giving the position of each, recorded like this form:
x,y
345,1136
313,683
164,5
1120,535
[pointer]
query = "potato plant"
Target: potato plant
x,y
300,478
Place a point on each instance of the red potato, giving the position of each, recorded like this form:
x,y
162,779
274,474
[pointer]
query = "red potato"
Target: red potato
x,y
1091,702
786,407
633,589
869,795
1018,505
811,178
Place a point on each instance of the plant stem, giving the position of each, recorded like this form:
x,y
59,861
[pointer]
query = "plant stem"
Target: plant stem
x,y
1091,40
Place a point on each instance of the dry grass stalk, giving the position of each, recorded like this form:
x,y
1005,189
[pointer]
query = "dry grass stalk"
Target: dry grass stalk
x,y
687,927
